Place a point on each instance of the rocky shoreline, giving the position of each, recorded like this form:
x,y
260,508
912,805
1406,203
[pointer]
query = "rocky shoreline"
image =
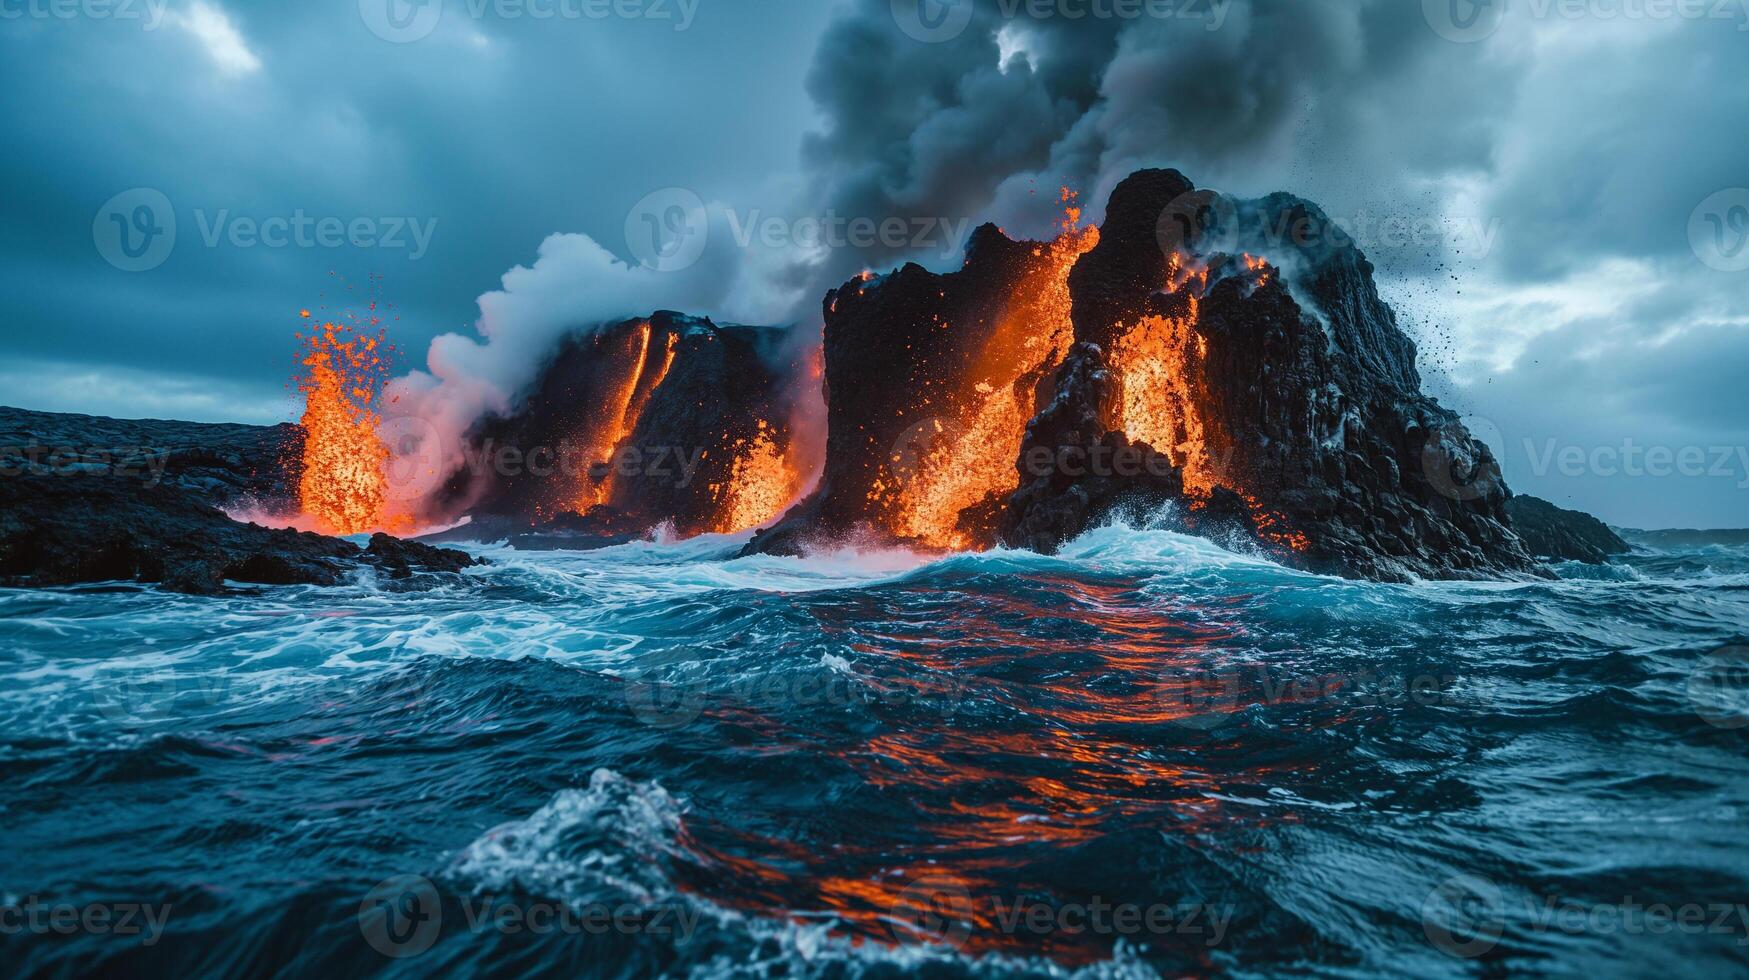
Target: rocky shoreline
x,y
85,499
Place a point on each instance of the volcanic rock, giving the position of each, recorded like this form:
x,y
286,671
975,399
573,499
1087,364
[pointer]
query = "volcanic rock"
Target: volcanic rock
x,y
1563,535
903,355
223,464
1305,390
1285,401
87,499
640,423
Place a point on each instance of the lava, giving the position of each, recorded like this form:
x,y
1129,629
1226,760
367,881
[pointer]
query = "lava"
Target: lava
x,y
1157,362
343,486
619,415
763,483
961,461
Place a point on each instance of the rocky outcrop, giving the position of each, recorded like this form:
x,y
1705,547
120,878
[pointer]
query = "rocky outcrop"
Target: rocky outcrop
x,y
1563,535
904,356
637,424
222,464
1304,393
88,499
1283,404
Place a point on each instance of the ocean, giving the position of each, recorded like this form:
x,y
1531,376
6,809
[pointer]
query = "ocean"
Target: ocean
x,y
1144,756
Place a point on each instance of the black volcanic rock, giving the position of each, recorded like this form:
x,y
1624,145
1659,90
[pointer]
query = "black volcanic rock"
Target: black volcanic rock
x,y
222,464
88,499
1314,438
700,391
63,530
1563,535
1308,392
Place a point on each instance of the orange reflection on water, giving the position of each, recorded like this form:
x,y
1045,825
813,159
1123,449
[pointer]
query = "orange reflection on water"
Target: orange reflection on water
x,y
1046,745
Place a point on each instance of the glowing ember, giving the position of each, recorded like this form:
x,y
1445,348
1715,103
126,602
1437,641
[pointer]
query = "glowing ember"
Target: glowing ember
x,y
964,460
344,484
763,484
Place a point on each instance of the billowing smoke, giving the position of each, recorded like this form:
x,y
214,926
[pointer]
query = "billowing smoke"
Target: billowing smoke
x,y
1250,96
575,285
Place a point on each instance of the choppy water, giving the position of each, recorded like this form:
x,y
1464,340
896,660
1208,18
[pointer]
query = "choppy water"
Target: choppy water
x,y
1144,756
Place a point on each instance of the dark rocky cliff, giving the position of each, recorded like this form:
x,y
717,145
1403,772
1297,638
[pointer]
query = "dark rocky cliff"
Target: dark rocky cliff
x,y
90,499
1294,415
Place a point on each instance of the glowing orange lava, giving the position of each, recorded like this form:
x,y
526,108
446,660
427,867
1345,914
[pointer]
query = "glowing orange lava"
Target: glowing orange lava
x,y
344,483
964,459
763,483
619,413
1156,362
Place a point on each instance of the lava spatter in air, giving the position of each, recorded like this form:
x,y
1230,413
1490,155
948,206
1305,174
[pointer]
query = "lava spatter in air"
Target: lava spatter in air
x,y
343,485
961,464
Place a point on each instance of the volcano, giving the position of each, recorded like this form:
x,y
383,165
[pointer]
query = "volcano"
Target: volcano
x,y
1226,363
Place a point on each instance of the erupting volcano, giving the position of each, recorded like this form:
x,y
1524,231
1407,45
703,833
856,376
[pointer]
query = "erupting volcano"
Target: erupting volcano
x,y
1147,369
343,483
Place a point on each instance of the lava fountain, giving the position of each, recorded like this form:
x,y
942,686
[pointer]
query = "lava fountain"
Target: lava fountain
x,y
343,486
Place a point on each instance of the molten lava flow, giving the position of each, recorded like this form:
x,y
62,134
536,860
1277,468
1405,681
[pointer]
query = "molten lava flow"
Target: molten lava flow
x,y
619,414
763,483
965,459
1155,362
344,483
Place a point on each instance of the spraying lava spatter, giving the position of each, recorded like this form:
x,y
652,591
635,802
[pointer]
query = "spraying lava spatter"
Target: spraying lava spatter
x,y
962,463
343,487
764,482
1157,362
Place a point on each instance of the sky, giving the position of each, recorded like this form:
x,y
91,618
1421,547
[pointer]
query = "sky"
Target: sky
x,y
1555,192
